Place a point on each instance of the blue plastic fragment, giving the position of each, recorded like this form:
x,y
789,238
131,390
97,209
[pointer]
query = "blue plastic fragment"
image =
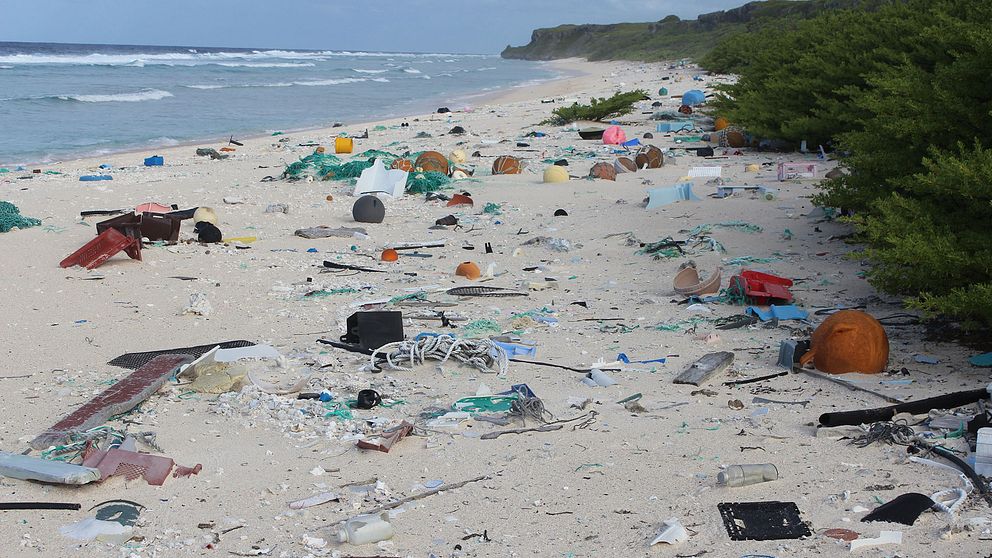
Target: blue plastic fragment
x,y
785,312
926,359
95,177
984,360
517,349
622,357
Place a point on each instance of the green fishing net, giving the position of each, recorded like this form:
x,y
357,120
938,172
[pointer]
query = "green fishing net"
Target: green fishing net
x,y
421,182
315,164
11,217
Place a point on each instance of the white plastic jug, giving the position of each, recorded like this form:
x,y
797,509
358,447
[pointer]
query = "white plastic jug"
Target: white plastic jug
x,y
366,529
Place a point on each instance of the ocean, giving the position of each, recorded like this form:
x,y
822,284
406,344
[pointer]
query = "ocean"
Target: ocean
x,y
63,101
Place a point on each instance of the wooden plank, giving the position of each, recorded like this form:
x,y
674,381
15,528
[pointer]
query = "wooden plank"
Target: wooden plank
x,y
705,368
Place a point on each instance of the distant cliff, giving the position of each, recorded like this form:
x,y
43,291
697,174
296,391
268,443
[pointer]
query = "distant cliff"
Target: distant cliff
x,y
671,37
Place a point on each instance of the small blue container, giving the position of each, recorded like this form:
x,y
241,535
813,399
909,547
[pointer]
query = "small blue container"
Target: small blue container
x,y
154,161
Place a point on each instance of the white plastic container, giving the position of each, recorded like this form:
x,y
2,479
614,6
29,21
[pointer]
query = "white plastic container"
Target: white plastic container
x,y
743,475
983,452
366,529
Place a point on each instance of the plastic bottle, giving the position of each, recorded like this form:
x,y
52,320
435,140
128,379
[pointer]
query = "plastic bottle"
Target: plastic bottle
x,y
743,475
366,529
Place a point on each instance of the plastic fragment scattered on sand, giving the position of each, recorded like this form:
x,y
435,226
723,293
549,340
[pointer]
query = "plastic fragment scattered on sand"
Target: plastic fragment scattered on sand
x,y
926,359
598,378
199,305
96,529
884,537
672,532
314,501
25,467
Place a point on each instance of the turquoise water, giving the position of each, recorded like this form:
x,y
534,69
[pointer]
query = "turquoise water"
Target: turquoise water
x,y
60,101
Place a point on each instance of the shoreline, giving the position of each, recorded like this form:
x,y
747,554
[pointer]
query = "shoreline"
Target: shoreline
x,y
572,66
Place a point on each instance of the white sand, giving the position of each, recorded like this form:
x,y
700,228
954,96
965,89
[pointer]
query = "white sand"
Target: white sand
x,y
603,490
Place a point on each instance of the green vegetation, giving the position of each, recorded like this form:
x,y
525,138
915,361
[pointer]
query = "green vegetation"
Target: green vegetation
x,y
598,109
905,93
671,37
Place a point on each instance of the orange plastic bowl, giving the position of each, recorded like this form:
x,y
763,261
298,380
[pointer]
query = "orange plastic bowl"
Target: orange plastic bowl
x,y
390,255
468,270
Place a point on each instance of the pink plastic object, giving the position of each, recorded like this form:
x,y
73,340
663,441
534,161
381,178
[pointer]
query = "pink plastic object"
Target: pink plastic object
x,y
152,207
614,136
97,251
131,465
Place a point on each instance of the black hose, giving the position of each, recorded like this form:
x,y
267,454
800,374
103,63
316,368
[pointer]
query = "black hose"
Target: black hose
x,y
39,506
867,416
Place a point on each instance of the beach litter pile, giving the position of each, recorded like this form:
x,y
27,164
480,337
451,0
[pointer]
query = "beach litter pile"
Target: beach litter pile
x,y
491,358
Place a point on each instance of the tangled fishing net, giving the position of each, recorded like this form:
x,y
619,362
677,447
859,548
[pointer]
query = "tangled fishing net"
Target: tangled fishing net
x,y
11,217
482,354
430,181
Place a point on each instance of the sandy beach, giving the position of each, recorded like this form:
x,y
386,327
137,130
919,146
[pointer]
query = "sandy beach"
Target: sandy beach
x,y
601,485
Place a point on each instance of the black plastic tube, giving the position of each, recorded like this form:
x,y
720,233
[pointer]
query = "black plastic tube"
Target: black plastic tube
x,y
39,506
868,416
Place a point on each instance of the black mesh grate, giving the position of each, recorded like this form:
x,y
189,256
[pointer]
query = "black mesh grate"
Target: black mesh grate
x,y
135,361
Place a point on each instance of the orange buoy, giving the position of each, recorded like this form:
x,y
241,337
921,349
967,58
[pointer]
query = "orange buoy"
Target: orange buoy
x,y
605,171
506,165
624,165
432,161
649,157
468,270
848,341
720,123
390,255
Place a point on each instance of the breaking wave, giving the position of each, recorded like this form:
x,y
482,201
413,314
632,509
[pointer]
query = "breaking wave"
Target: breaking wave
x,y
137,97
192,57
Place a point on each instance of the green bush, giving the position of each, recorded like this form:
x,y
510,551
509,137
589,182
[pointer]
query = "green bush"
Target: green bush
x,y
934,242
905,94
598,109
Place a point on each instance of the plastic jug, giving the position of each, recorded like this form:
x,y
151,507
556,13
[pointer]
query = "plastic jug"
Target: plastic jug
x,y
366,529
743,475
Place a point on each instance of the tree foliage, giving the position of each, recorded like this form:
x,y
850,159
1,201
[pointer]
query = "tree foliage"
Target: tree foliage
x,y
905,93
618,105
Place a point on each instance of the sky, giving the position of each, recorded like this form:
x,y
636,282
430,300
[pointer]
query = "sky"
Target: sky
x,y
451,26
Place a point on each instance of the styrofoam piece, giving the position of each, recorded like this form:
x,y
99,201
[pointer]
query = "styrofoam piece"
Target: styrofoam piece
x,y
705,172
92,528
885,537
672,532
377,179
25,467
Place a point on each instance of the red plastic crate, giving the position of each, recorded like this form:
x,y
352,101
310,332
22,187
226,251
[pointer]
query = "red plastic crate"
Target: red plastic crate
x,y
97,251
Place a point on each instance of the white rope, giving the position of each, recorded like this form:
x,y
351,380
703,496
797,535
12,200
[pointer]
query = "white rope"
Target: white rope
x,y
481,354
940,498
